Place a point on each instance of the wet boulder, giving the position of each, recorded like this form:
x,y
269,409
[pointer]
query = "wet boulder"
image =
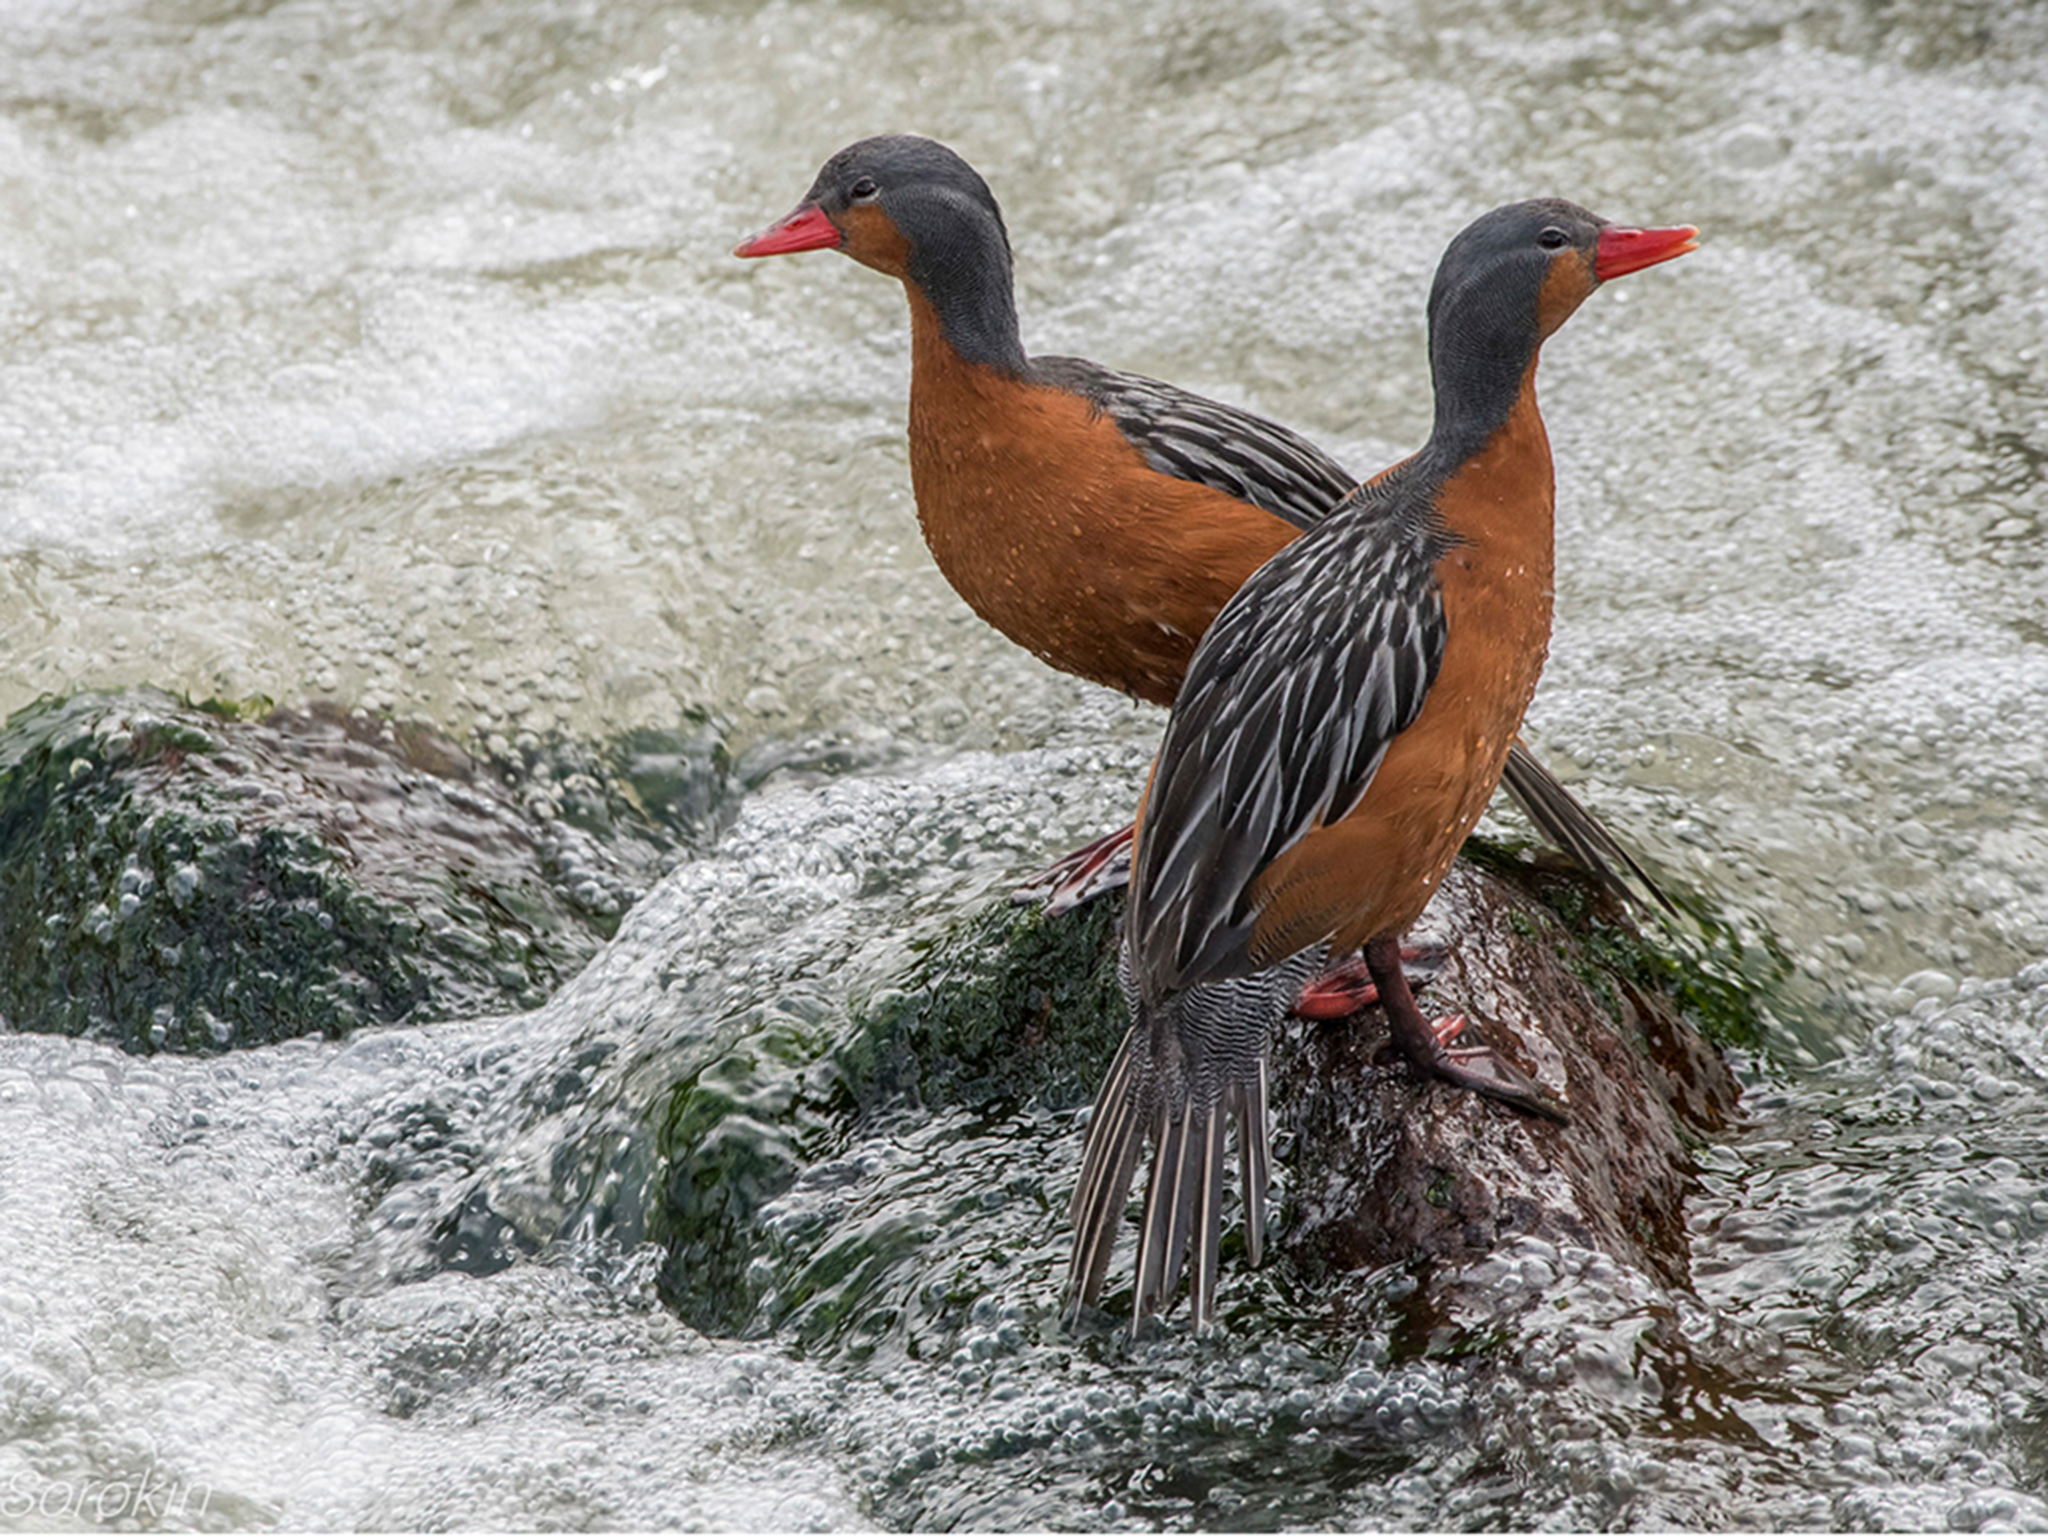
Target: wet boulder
x,y
1388,1169
183,877
818,1173
877,1176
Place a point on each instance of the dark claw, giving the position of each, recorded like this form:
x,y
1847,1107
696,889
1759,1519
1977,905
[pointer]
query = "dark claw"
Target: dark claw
x,y
1476,1065
1484,1070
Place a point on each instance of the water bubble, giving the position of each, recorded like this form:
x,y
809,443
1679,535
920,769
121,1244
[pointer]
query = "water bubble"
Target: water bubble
x,y
1751,147
1934,984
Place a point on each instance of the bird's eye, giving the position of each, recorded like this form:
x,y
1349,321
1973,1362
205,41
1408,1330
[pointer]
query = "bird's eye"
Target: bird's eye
x,y
1553,239
864,190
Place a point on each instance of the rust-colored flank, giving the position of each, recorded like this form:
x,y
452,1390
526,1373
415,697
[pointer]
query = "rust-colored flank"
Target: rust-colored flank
x,y
1374,871
1049,522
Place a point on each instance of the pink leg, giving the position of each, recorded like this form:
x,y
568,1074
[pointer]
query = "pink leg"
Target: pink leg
x,y
1347,988
1103,866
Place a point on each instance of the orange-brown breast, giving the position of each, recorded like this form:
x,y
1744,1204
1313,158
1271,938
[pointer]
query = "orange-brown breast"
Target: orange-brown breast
x,y
1373,872
1048,521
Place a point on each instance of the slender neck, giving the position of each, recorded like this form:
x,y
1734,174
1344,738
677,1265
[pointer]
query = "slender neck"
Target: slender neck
x,y
1482,358
963,270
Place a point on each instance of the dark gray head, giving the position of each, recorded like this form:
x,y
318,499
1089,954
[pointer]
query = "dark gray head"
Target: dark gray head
x,y
913,209
932,197
1506,283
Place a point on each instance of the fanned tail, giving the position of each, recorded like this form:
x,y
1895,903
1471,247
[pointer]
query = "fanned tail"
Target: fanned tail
x,y
1557,814
1116,1135
1189,1068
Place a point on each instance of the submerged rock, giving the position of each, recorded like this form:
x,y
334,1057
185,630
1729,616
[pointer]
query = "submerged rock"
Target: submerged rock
x,y
181,878
807,1169
874,1175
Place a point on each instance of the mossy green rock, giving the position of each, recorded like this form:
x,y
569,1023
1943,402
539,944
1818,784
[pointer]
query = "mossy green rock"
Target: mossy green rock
x,y
1005,1012
864,1172
179,878
1007,1005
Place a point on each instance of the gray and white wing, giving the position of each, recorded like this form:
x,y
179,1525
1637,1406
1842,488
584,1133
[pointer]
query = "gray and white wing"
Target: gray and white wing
x,y
1323,657
1192,437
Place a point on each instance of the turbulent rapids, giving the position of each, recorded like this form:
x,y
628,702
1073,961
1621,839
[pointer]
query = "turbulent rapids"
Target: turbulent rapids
x,y
389,358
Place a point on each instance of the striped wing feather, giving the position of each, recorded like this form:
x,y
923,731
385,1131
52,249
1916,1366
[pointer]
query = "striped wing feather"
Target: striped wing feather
x,y
1194,438
1290,704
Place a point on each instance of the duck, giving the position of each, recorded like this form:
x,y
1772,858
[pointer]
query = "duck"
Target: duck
x,y
1098,518
1341,727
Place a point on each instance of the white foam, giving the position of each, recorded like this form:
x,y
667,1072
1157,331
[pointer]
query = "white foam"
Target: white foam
x,y
396,355
188,1334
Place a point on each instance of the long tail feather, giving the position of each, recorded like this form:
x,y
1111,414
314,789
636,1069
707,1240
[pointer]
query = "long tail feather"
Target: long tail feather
x,y
1206,1227
1163,1236
1189,1070
1557,814
1116,1135
1255,1156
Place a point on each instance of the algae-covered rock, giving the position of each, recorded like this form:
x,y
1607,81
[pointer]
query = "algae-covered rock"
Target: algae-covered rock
x,y
870,1174
773,1210
177,877
1007,1005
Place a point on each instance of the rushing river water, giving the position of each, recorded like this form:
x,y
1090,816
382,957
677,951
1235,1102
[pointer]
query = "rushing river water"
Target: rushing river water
x,y
391,352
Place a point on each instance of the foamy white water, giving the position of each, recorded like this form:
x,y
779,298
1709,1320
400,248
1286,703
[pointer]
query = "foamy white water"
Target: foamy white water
x,y
392,353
